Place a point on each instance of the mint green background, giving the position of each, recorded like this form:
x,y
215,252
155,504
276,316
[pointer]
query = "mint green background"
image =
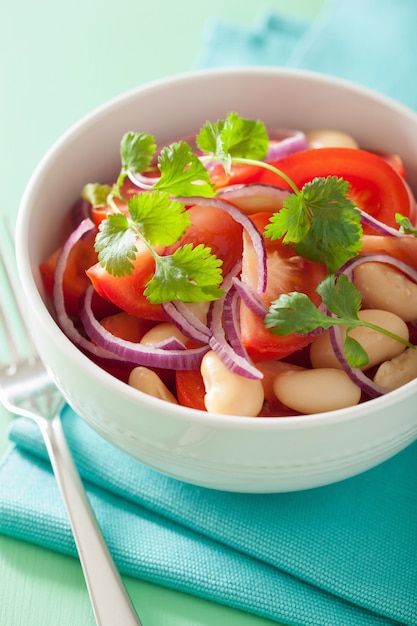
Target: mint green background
x,y
57,62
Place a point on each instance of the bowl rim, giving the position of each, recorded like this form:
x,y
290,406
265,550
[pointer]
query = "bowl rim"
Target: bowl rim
x,y
73,353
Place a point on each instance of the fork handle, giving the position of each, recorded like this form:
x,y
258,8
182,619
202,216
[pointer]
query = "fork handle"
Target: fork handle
x,y
109,598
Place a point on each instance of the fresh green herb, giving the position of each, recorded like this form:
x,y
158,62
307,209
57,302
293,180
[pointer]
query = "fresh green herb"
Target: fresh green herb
x,y
189,274
182,172
321,222
296,313
96,194
234,137
136,153
405,225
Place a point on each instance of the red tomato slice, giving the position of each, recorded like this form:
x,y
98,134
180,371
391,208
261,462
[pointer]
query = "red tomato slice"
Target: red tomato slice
x,y
126,292
375,185
190,389
75,281
239,174
286,272
209,226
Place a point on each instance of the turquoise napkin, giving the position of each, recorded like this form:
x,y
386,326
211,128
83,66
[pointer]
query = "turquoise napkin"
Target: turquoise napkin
x,y
341,555
371,42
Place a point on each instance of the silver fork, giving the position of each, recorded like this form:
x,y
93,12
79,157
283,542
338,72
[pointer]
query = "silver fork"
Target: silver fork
x,y
27,389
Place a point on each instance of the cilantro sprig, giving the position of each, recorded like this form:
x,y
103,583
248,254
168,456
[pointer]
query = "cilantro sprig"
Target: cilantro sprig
x,y
189,274
296,313
319,220
321,223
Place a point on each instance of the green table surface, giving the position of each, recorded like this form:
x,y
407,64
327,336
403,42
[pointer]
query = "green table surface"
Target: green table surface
x,y
57,62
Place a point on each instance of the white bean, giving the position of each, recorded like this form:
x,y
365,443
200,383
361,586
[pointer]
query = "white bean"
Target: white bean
x,y
378,346
384,287
398,371
328,138
161,332
316,391
229,393
148,381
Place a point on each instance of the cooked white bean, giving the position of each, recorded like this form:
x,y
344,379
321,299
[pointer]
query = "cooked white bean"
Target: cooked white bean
x,y
398,371
378,346
161,332
148,381
316,391
229,393
384,287
329,138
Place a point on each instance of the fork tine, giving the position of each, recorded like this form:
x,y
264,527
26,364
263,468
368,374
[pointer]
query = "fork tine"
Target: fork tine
x,y
12,313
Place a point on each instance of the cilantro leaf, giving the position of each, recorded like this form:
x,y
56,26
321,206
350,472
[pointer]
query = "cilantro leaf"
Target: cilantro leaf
x,y
182,172
296,313
116,244
96,194
136,151
161,220
234,137
321,222
405,225
340,296
190,275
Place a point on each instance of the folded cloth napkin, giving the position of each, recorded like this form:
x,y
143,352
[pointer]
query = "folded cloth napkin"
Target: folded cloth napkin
x,y
342,555
371,42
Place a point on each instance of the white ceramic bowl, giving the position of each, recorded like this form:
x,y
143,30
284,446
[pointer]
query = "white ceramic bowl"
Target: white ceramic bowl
x,y
233,453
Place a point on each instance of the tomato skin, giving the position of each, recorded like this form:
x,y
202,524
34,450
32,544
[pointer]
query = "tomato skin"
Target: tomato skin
x,y
216,229
286,272
209,226
240,173
375,185
190,389
75,280
126,292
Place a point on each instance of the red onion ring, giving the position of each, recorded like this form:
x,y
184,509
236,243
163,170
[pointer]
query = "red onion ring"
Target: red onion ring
x,y
65,322
250,298
255,197
355,374
218,342
243,220
183,359
286,142
378,226
180,315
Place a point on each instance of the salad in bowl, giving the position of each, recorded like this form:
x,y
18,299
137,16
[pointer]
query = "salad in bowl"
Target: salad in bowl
x,y
239,302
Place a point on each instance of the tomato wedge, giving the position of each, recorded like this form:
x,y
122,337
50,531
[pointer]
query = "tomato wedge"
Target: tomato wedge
x,y
375,185
209,226
286,272
75,281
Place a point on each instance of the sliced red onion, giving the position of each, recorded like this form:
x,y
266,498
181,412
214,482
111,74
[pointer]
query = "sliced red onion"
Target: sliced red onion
x,y
250,298
170,343
64,321
218,342
286,142
231,321
378,226
255,197
403,267
355,374
141,181
148,356
185,320
243,220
